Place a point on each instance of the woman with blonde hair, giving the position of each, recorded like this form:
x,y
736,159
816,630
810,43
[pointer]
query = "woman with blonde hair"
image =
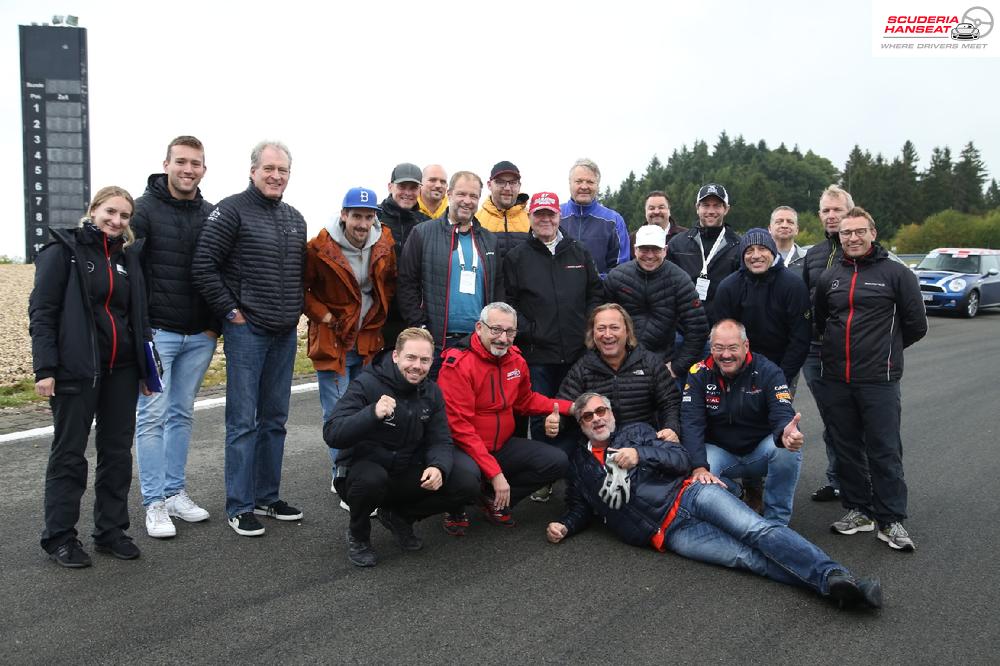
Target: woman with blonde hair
x,y
89,330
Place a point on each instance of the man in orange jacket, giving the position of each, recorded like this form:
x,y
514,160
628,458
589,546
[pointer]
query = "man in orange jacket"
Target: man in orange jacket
x,y
350,279
485,382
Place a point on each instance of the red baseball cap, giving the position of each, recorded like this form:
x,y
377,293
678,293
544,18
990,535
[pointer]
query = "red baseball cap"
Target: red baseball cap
x,y
544,201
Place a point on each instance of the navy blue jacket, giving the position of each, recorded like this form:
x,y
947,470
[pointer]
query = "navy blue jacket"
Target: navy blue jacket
x,y
684,251
654,484
416,435
735,413
774,307
599,229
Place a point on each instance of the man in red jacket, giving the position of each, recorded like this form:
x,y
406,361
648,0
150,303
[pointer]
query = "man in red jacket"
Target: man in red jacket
x,y
485,382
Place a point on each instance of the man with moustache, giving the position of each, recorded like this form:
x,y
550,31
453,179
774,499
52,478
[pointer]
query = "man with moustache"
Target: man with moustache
x,y
400,214
657,212
449,269
170,215
737,421
868,309
249,266
709,252
350,280
486,383
433,198
638,486
834,203
503,212
784,227
598,228
396,453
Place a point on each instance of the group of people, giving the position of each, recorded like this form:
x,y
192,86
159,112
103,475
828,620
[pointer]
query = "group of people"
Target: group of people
x,y
690,340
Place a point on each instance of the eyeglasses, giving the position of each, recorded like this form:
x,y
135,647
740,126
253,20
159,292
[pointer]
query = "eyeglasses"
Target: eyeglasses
x,y
600,412
507,183
719,349
860,233
497,331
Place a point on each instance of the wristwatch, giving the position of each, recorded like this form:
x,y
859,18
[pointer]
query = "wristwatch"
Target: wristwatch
x,y
231,315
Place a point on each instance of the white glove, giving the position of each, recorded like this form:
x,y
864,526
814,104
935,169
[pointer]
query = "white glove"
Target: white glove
x,y
616,489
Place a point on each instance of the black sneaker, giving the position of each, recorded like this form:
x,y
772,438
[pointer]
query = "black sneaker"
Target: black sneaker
x,y
123,549
246,524
280,510
825,494
402,530
360,553
850,592
71,555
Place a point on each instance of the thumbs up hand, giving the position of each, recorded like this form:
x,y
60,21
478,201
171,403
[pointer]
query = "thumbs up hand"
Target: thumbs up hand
x,y
792,437
552,421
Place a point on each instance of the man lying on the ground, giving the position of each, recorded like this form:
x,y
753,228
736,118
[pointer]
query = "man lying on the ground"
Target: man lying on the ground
x,y
641,488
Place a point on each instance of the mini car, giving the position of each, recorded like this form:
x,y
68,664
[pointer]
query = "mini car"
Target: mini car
x,y
962,280
965,31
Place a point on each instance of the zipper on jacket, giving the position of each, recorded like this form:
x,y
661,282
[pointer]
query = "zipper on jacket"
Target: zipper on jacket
x,y
850,318
107,306
503,405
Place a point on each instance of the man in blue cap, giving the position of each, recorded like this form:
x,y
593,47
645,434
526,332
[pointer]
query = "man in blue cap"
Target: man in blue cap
x,y
350,279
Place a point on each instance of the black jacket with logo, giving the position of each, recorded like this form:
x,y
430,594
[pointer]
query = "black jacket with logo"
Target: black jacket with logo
x,y
87,310
554,296
868,310
416,435
251,255
734,413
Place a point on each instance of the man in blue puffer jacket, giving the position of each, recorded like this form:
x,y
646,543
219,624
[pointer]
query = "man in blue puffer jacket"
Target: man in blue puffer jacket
x,y
640,488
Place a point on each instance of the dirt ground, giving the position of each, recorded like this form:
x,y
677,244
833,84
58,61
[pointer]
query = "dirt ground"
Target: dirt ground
x,y
16,281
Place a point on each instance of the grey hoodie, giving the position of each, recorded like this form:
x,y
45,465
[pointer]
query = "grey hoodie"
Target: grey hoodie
x,y
358,259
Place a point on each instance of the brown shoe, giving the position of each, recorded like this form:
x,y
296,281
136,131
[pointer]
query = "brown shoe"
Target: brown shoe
x,y
753,497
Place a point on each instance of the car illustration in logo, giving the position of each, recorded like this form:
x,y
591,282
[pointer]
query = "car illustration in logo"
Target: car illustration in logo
x,y
960,280
965,31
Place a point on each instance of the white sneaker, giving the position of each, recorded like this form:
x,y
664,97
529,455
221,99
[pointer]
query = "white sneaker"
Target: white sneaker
x,y
158,523
333,486
183,507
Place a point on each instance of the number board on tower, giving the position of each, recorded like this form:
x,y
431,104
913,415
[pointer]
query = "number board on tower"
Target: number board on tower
x,y
54,111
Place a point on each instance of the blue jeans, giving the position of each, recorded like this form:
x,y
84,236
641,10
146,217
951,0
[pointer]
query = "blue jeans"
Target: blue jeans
x,y
713,526
780,466
332,386
811,371
163,423
258,387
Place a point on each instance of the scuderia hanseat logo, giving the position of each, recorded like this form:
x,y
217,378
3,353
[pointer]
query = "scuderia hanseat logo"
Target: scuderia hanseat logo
x,y
932,26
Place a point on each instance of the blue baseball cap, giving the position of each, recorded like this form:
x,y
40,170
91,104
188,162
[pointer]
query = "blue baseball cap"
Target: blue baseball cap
x,y
361,197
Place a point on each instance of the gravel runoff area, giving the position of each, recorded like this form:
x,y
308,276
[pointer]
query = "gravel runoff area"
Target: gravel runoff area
x,y
15,343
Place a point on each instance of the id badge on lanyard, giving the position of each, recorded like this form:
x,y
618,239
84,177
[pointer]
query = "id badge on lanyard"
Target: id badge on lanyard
x,y
467,279
702,283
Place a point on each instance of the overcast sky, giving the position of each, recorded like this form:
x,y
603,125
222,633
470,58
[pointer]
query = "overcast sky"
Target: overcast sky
x,y
354,89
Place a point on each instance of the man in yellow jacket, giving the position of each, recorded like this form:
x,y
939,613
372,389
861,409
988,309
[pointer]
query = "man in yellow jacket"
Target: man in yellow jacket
x,y
504,211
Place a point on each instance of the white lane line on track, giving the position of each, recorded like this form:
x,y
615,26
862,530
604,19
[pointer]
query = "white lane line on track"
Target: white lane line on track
x,y
207,403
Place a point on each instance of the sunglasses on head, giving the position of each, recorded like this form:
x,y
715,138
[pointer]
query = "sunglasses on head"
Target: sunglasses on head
x,y
587,417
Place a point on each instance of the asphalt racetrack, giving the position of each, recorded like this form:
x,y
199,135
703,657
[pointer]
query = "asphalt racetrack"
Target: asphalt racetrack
x,y
507,596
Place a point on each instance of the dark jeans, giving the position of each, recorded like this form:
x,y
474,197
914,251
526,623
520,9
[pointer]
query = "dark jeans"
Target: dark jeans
x,y
811,371
863,419
368,486
545,379
528,465
74,407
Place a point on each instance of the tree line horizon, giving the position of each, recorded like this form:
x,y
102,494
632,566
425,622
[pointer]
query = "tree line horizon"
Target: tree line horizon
x,y
950,194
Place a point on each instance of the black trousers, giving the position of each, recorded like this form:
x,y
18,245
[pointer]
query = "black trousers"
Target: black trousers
x,y
74,407
530,464
863,420
368,486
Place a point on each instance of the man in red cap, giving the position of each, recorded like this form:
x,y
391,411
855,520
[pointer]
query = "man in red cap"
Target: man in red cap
x,y
553,284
